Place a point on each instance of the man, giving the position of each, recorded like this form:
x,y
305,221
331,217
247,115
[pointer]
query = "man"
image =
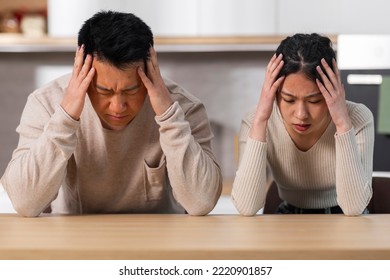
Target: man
x,y
114,136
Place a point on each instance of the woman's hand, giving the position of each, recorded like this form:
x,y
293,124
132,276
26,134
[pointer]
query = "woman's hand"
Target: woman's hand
x,y
267,97
83,72
334,93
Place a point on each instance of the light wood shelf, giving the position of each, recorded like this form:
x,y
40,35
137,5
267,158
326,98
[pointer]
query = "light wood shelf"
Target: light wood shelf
x,y
20,43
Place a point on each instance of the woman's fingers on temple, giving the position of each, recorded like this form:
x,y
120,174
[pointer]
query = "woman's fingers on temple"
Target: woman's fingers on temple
x,y
276,66
336,71
278,82
328,70
324,77
280,65
271,61
326,82
322,89
274,62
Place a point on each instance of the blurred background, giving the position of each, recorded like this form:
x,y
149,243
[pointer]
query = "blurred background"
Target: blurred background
x,y
216,49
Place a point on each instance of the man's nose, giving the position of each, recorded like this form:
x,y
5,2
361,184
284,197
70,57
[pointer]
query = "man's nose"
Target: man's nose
x,y
118,103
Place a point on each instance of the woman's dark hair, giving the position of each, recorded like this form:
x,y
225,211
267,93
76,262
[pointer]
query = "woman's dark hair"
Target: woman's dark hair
x,y
303,53
120,39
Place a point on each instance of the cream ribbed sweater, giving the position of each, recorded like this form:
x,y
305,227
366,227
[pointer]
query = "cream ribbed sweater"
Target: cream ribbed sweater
x,y
155,165
337,170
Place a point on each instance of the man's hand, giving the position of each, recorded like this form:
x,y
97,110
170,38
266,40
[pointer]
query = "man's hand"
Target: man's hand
x,y
82,75
154,83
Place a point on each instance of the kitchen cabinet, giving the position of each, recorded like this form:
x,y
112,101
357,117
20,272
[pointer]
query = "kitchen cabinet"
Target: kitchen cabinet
x,y
64,18
167,17
192,18
237,17
206,17
172,17
333,16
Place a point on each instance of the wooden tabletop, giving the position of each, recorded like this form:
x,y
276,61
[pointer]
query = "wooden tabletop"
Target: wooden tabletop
x,y
269,237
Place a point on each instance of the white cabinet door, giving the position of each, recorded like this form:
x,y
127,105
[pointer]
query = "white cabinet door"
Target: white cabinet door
x,y
237,17
172,17
206,17
166,17
66,17
333,16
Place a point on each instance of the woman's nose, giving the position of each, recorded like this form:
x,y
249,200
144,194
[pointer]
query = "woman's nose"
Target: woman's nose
x,y
301,111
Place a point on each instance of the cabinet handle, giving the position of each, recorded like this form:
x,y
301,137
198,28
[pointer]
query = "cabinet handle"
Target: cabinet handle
x,y
364,79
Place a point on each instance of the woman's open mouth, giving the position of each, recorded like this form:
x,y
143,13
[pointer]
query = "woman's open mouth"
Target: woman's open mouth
x,y
302,127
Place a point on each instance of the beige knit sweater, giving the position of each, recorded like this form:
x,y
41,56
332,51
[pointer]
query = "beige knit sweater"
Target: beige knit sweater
x,y
337,170
155,165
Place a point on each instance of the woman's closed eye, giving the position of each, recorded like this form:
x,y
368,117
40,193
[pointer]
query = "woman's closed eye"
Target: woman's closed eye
x,y
291,101
288,100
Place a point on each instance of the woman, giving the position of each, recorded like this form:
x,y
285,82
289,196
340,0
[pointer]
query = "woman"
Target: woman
x,y
317,146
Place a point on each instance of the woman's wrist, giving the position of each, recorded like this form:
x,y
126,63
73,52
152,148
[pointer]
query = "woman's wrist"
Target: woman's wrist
x,y
344,126
258,131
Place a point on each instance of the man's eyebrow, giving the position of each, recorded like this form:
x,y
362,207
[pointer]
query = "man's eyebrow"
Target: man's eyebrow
x,y
131,87
102,87
125,89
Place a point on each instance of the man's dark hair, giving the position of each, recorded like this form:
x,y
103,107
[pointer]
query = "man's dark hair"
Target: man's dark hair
x,y
120,39
303,53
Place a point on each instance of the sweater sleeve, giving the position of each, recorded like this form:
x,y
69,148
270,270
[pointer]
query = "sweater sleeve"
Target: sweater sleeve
x,y
354,161
249,186
38,165
193,172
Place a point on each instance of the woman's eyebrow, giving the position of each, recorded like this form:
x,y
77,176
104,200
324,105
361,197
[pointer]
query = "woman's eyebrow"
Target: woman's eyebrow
x,y
288,94
314,94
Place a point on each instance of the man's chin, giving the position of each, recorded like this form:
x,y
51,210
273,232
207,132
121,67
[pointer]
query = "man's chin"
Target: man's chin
x,y
115,127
